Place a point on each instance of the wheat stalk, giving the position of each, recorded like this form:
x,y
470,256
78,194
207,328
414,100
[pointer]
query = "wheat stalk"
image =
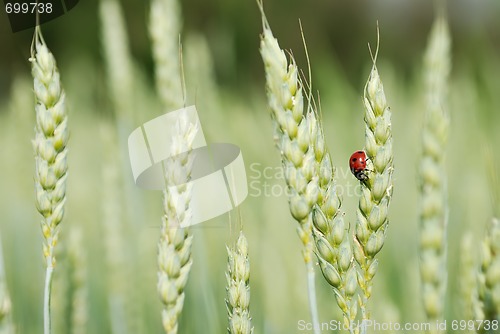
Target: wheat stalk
x,y
164,30
51,139
376,192
468,278
489,278
174,247
433,211
295,134
238,288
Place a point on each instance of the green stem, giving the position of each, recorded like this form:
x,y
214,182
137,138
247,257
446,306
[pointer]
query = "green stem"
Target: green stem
x,y
364,313
46,298
311,289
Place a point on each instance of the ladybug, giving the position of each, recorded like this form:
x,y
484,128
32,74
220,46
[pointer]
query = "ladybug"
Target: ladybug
x,y
357,163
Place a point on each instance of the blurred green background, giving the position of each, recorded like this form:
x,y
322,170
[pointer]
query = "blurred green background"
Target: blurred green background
x,y
227,83
336,30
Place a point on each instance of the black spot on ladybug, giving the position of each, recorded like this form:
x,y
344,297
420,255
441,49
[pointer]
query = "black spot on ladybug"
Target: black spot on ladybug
x,y
360,175
354,159
360,152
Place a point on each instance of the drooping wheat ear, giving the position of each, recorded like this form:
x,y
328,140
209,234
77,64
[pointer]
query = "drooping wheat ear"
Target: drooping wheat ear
x,y
489,277
238,288
116,56
174,247
6,326
331,234
50,145
78,282
295,135
376,192
433,211
335,255
164,30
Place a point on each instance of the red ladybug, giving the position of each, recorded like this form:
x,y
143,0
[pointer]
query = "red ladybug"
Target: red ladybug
x,y
357,162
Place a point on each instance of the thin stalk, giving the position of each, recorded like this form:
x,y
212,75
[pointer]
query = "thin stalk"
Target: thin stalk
x,y
46,297
311,291
362,306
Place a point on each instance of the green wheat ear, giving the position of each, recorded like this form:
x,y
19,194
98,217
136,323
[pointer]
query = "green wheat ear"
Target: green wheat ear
x,y
51,138
331,234
432,174
164,30
174,246
376,192
489,277
50,145
295,135
238,288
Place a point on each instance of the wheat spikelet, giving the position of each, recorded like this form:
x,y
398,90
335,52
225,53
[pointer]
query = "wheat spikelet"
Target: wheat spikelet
x,y
433,211
238,288
295,135
335,256
51,138
376,191
331,234
489,278
174,247
164,30
50,145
